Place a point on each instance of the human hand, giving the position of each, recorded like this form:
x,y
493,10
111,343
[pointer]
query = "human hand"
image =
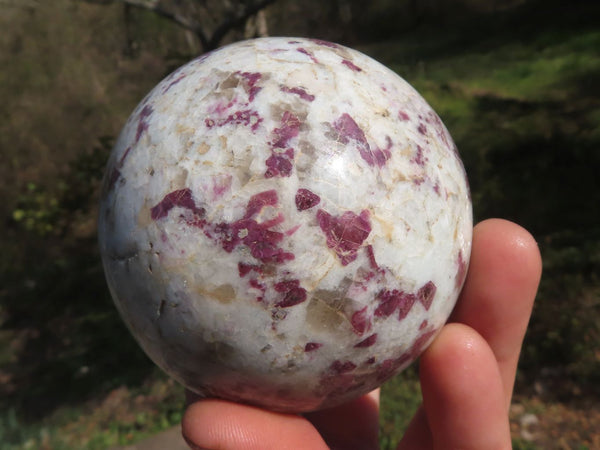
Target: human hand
x,y
467,374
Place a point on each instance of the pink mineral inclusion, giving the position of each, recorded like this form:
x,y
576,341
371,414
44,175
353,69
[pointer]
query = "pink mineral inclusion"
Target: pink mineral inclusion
x,y
251,78
348,130
394,300
403,116
360,321
174,82
367,342
262,242
114,176
433,119
221,184
259,201
259,238
426,293
346,233
142,127
371,255
351,65
115,173
325,43
244,269
387,367
339,367
182,198
420,342
290,127
388,302
293,294
420,159
299,91
124,157
310,346
254,283
306,199
280,163
309,54
246,117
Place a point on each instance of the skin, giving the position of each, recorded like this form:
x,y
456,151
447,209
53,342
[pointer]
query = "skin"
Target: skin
x,y
467,374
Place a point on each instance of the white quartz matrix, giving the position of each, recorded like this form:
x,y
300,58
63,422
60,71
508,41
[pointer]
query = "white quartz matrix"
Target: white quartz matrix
x,y
284,222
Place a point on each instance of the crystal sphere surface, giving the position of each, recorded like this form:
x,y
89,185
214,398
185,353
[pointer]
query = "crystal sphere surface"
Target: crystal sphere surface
x,y
284,222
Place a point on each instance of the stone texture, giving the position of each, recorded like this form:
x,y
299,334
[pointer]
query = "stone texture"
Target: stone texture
x,y
284,222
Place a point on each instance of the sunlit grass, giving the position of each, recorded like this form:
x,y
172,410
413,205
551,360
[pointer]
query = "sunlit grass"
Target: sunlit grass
x,y
400,398
123,417
533,70
494,97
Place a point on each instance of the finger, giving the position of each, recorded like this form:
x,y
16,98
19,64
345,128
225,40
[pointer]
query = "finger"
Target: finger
x,y
417,435
496,301
498,295
217,424
463,395
353,425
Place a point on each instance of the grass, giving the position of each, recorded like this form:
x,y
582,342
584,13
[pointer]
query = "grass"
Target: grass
x,y
400,398
521,444
529,98
122,417
500,100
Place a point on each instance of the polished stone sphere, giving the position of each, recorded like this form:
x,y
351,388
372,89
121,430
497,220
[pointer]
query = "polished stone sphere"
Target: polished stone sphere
x,y
284,222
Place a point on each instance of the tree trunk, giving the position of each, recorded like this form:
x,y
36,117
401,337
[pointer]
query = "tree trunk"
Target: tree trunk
x,y
130,44
257,26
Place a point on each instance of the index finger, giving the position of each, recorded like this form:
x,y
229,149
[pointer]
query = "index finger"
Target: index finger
x,y
498,295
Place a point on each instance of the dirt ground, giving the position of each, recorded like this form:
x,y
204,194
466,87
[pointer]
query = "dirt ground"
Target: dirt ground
x,y
170,439
556,425
538,424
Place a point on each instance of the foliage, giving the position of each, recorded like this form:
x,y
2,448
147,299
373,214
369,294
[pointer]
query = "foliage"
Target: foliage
x,y
209,21
123,417
43,212
520,444
525,115
400,398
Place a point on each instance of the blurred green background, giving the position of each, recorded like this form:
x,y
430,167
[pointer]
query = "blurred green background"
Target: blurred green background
x,y
517,82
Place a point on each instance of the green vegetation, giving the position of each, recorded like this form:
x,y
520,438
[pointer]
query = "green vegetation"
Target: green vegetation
x,y
523,109
122,417
517,89
400,398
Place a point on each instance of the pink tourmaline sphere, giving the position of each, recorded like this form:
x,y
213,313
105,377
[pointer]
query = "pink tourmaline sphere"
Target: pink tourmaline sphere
x,y
284,222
